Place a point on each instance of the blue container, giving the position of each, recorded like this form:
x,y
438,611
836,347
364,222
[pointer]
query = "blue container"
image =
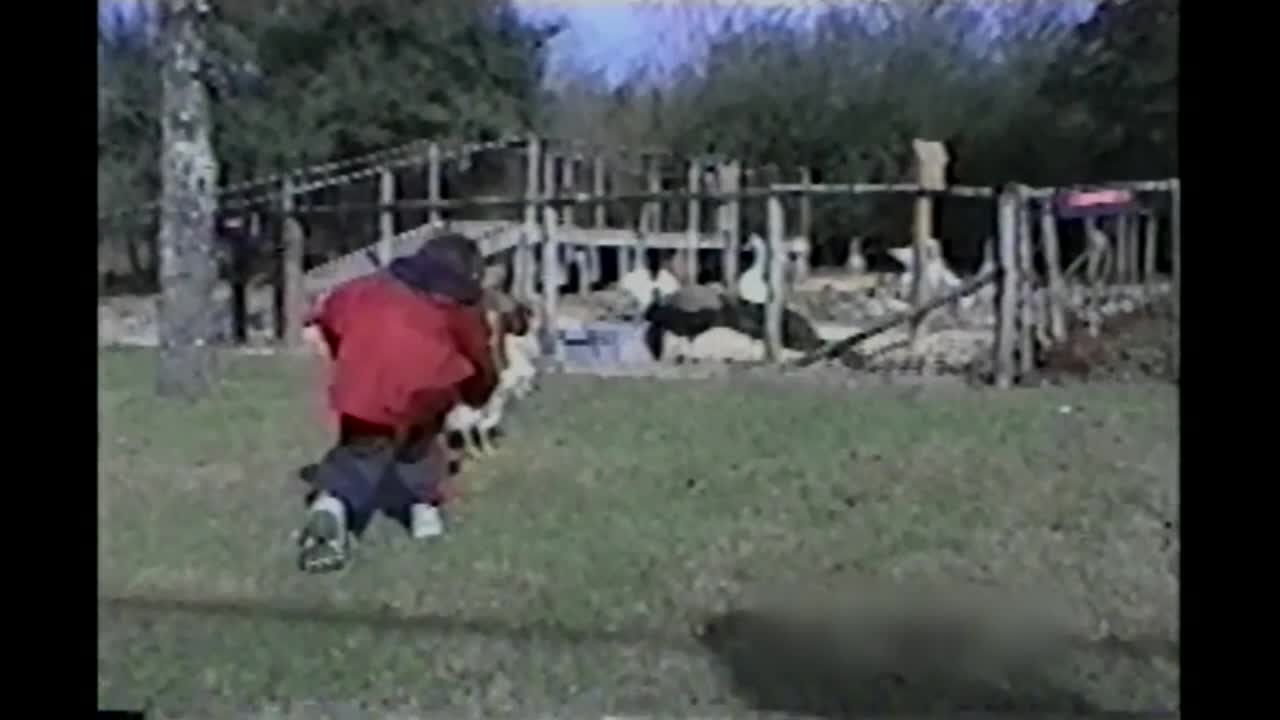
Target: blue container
x,y
604,344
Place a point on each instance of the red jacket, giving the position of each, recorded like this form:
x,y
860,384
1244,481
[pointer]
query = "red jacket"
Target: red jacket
x,y
402,357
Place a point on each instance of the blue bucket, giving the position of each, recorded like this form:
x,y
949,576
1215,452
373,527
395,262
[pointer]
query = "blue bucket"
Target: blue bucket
x,y
604,344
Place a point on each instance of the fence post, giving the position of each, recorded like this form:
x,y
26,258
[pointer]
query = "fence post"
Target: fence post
x,y
1098,266
1053,259
255,241
1122,249
550,215
931,169
1152,234
774,311
433,181
569,184
806,203
387,217
524,250
1135,250
731,182
693,221
1175,229
569,213
550,340
599,213
1006,306
653,173
1028,315
652,212
294,293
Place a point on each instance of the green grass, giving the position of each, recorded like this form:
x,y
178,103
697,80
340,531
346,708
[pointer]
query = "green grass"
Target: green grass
x,y
618,516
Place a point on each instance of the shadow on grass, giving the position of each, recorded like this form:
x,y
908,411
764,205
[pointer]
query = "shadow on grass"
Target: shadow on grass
x,y
834,671
235,608
777,664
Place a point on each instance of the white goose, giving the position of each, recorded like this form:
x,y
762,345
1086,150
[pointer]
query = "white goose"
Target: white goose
x,y
937,276
751,284
644,286
857,262
988,257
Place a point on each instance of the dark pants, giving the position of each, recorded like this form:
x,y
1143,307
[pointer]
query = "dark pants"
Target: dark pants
x,y
370,469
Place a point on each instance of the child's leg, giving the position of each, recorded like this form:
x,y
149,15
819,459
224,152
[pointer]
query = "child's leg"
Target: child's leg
x,y
415,488
346,482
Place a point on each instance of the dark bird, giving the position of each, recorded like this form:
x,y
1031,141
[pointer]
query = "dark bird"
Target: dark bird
x,y
695,309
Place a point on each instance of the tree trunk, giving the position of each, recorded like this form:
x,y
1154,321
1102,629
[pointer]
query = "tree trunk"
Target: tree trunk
x,y
188,264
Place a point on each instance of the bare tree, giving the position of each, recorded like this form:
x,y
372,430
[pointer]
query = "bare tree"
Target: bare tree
x,y
188,266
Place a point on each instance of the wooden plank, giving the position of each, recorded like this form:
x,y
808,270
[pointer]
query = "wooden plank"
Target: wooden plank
x,y
1149,248
550,339
1053,261
599,212
921,232
294,251
1129,185
1006,305
653,171
755,193
732,183
1135,249
910,188
693,229
777,286
387,218
1098,250
651,214
1175,230
523,286
1026,290
569,186
550,216
931,168
1122,249
433,179
806,203
623,238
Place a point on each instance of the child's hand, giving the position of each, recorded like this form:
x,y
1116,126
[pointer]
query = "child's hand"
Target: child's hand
x,y
313,339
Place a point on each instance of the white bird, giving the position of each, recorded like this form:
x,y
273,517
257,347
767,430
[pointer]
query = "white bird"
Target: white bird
x,y
857,262
643,286
666,283
936,274
988,258
638,285
751,284
581,260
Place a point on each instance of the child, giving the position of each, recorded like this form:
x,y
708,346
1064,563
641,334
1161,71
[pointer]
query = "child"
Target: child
x,y
407,343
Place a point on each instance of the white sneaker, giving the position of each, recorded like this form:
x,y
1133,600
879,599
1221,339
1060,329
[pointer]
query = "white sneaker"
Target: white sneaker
x,y
425,521
324,540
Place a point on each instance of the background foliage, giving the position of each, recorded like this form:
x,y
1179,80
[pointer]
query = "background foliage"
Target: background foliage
x,y
1036,91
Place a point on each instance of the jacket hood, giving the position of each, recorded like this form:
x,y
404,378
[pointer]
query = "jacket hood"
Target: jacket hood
x,y
432,273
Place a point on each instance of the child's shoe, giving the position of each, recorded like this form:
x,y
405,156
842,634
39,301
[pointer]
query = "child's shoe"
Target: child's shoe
x,y
325,541
425,521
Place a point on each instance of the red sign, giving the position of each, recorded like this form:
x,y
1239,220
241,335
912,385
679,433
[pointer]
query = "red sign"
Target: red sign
x,y
1095,203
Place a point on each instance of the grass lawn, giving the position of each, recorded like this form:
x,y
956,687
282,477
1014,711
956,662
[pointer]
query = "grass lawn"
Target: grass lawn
x,y
620,516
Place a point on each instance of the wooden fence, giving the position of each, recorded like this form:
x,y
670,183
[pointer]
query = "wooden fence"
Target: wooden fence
x,y
551,208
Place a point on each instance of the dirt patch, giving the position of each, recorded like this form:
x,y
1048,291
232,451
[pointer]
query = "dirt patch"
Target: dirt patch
x,y
1135,345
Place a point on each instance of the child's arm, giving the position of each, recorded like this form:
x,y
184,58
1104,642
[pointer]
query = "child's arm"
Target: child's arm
x,y
471,333
320,326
